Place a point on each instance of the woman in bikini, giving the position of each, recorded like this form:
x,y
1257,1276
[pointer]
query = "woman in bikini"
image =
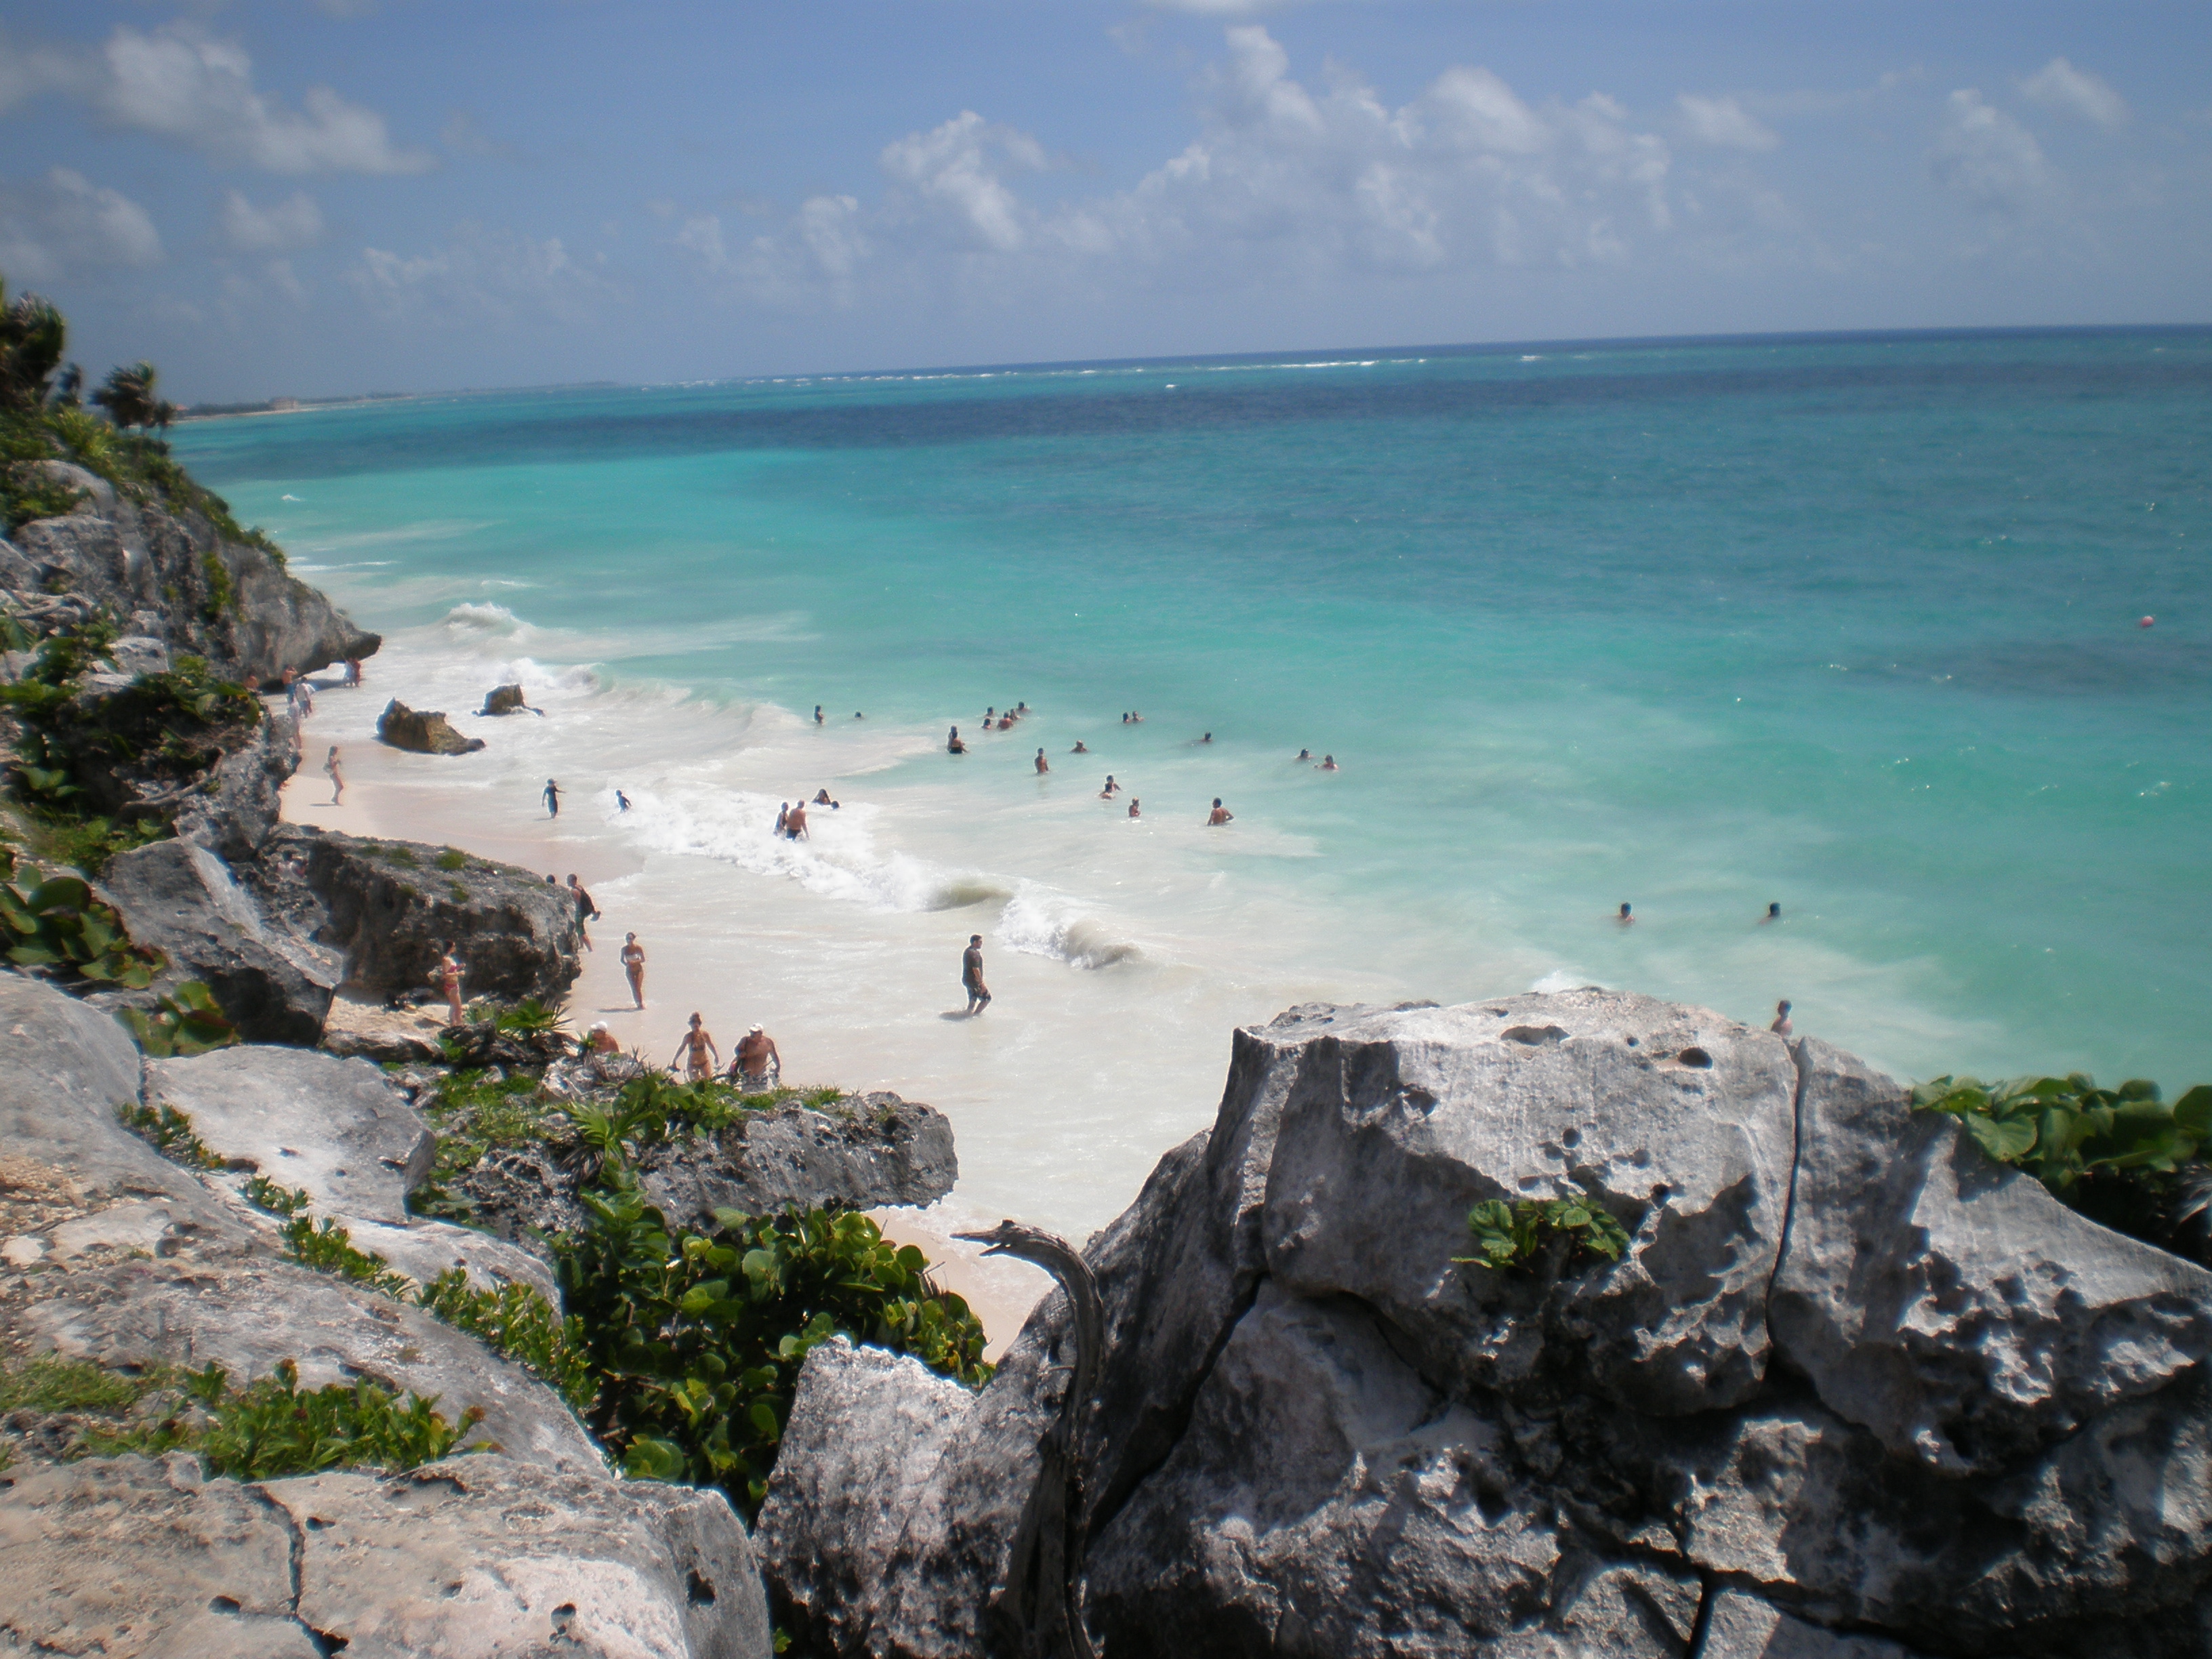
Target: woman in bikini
x,y
633,961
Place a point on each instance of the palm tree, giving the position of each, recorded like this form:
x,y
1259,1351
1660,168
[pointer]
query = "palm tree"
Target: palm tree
x,y
33,335
128,397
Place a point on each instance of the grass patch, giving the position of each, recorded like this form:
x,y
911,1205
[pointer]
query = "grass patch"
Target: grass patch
x,y
452,858
171,1134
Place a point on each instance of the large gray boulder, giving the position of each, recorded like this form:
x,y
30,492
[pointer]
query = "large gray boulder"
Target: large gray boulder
x,y
1945,1302
1889,1400
180,897
232,602
389,906
421,731
475,1556
241,798
868,1152
248,1314
66,1071
333,1127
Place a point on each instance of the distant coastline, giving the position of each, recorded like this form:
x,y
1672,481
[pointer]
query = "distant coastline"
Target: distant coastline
x,y
286,405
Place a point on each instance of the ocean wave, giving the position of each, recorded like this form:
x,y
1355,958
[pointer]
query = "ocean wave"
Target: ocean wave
x,y
1039,923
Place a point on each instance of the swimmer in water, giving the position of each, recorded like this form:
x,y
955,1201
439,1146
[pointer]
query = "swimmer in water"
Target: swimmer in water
x,y
1781,1027
1111,789
622,801
795,825
1328,763
1081,748
782,816
1624,918
1774,914
822,799
1220,814
1044,765
818,713
952,743
1133,812
1305,753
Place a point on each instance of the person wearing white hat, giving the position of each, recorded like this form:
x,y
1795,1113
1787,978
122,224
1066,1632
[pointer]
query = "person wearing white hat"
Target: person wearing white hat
x,y
600,1041
755,1059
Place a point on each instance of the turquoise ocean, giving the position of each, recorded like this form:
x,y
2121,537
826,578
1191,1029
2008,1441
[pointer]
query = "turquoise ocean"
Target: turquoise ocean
x,y
1851,624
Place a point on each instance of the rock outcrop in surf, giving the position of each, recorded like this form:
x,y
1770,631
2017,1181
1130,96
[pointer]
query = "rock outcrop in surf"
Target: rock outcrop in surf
x,y
1851,1390
422,731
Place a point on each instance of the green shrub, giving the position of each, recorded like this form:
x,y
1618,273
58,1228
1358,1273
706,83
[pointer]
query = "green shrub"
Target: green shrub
x,y
2123,1157
1511,1235
186,1021
26,493
452,858
270,1428
458,893
698,1338
402,855
264,1431
57,924
171,1134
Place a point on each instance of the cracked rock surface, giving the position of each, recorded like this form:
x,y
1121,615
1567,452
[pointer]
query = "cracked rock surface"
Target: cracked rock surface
x,y
475,1556
1853,1392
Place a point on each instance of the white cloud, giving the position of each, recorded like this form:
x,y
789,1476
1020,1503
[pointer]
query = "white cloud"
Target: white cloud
x,y
953,170
1987,156
64,224
481,276
181,82
292,223
1724,124
2058,85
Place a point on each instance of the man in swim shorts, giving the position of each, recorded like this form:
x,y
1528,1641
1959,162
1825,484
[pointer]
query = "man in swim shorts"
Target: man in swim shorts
x,y
698,1051
971,974
756,1056
586,910
1220,814
1044,765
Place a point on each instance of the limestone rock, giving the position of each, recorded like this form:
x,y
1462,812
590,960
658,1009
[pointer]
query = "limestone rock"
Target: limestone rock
x,y
388,906
1952,1305
333,1126
246,1315
1326,1499
129,1557
1742,1627
422,731
1679,1121
181,898
241,798
1316,1436
505,700
65,1070
876,1425
475,1556
874,1150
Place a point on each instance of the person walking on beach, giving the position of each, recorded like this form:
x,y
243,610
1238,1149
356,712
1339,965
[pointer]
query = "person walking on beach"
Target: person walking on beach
x,y
586,910
756,1056
1220,814
1044,765
633,961
1781,1027
447,977
331,771
552,792
971,974
698,1051
353,672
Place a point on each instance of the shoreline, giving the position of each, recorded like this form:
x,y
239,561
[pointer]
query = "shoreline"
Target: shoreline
x,y
1000,1291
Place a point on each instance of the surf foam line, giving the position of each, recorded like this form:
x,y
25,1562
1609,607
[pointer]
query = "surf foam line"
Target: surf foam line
x,y
650,734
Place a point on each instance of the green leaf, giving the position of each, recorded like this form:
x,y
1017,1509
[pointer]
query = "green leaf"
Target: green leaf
x,y
2193,1113
2005,1140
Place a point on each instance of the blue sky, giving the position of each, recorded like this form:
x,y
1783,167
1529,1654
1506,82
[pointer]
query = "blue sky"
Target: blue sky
x,y
320,199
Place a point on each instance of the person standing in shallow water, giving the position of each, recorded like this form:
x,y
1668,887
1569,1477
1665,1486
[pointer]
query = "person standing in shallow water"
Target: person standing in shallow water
x,y
1042,764
1781,1027
338,777
1220,814
552,799
633,961
971,974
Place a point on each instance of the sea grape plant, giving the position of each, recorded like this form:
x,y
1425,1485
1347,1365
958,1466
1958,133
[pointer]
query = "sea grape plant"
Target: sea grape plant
x,y
1510,1235
2062,1128
186,1021
698,1337
57,925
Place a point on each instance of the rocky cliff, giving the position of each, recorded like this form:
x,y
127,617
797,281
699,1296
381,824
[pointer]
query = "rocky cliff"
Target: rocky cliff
x,y
1851,1391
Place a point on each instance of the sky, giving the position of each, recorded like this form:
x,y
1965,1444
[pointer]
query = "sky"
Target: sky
x,y
322,197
